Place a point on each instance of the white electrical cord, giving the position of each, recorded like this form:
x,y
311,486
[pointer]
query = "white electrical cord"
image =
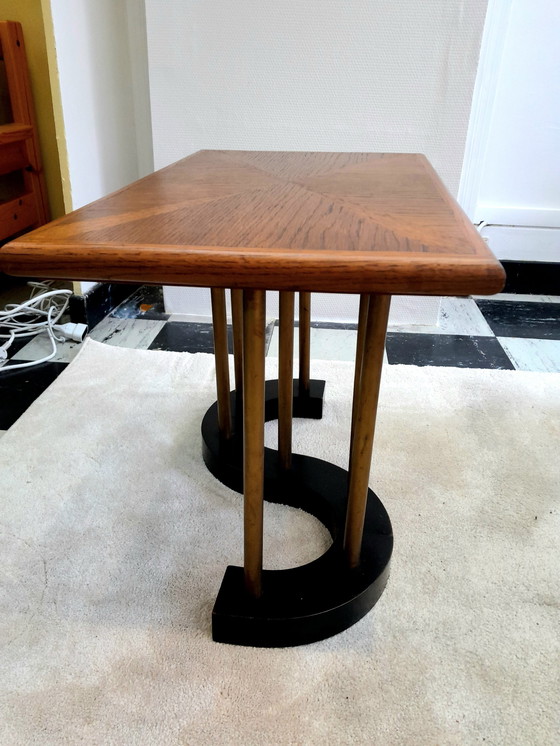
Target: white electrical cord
x,y
480,227
40,313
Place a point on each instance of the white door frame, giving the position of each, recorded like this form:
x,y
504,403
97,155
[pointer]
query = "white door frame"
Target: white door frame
x,y
491,52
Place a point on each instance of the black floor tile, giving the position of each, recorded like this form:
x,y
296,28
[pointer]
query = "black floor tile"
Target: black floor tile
x,y
20,388
145,303
451,350
180,336
530,320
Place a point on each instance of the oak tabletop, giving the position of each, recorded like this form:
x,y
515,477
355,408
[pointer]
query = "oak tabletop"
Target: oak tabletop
x,y
333,222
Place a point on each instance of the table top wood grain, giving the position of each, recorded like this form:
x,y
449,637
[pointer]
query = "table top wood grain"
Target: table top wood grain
x,y
332,222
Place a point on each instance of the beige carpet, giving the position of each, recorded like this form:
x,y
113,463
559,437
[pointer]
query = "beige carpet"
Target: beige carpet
x,y
114,539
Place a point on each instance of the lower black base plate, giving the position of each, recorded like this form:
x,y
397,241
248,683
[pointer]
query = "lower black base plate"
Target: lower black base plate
x,y
319,599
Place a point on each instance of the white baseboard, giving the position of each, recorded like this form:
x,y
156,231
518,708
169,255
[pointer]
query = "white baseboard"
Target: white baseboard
x,y
518,217
524,244
330,307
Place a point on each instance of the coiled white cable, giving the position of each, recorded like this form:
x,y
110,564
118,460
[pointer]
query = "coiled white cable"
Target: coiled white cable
x,y
40,313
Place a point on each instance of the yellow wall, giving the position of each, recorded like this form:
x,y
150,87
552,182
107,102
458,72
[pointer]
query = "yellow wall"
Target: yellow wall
x,y
30,15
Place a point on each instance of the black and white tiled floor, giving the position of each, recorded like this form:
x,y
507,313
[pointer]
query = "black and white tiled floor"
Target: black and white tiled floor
x,y
505,332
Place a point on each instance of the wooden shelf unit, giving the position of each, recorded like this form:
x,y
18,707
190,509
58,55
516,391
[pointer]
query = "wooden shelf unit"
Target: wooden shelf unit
x,y
27,206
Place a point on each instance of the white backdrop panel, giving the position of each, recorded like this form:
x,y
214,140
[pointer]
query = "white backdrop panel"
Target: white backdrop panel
x,y
353,75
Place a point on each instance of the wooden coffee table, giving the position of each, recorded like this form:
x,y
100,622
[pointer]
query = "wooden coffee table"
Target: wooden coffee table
x,y
373,224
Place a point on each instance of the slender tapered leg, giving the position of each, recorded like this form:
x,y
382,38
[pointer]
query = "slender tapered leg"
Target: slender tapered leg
x,y
374,314
362,321
253,436
285,379
304,342
221,356
237,323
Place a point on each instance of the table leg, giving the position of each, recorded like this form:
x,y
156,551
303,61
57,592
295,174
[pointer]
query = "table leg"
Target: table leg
x,y
237,323
285,379
362,321
253,436
269,608
304,342
221,357
374,314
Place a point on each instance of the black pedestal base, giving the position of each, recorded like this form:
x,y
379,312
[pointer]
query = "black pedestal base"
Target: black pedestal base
x,y
324,597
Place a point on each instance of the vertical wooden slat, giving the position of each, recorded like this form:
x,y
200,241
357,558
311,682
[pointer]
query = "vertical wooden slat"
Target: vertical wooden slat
x,y
364,416
219,322
304,342
285,379
253,436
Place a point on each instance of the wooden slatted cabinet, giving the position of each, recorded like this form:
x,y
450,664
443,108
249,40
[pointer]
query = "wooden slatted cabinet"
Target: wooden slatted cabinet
x,y
23,196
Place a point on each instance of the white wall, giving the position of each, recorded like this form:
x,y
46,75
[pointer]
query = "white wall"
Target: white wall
x,y
372,75
322,74
138,51
519,179
102,70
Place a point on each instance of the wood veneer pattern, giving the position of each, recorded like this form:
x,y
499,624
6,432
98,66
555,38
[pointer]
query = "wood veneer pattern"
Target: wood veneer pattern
x,y
337,222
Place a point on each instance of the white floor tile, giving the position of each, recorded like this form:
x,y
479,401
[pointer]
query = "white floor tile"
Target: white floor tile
x,y
519,298
462,316
333,344
134,333
533,354
40,346
456,316
326,344
2,432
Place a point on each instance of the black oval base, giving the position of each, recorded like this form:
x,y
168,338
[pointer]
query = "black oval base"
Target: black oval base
x,y
308,603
